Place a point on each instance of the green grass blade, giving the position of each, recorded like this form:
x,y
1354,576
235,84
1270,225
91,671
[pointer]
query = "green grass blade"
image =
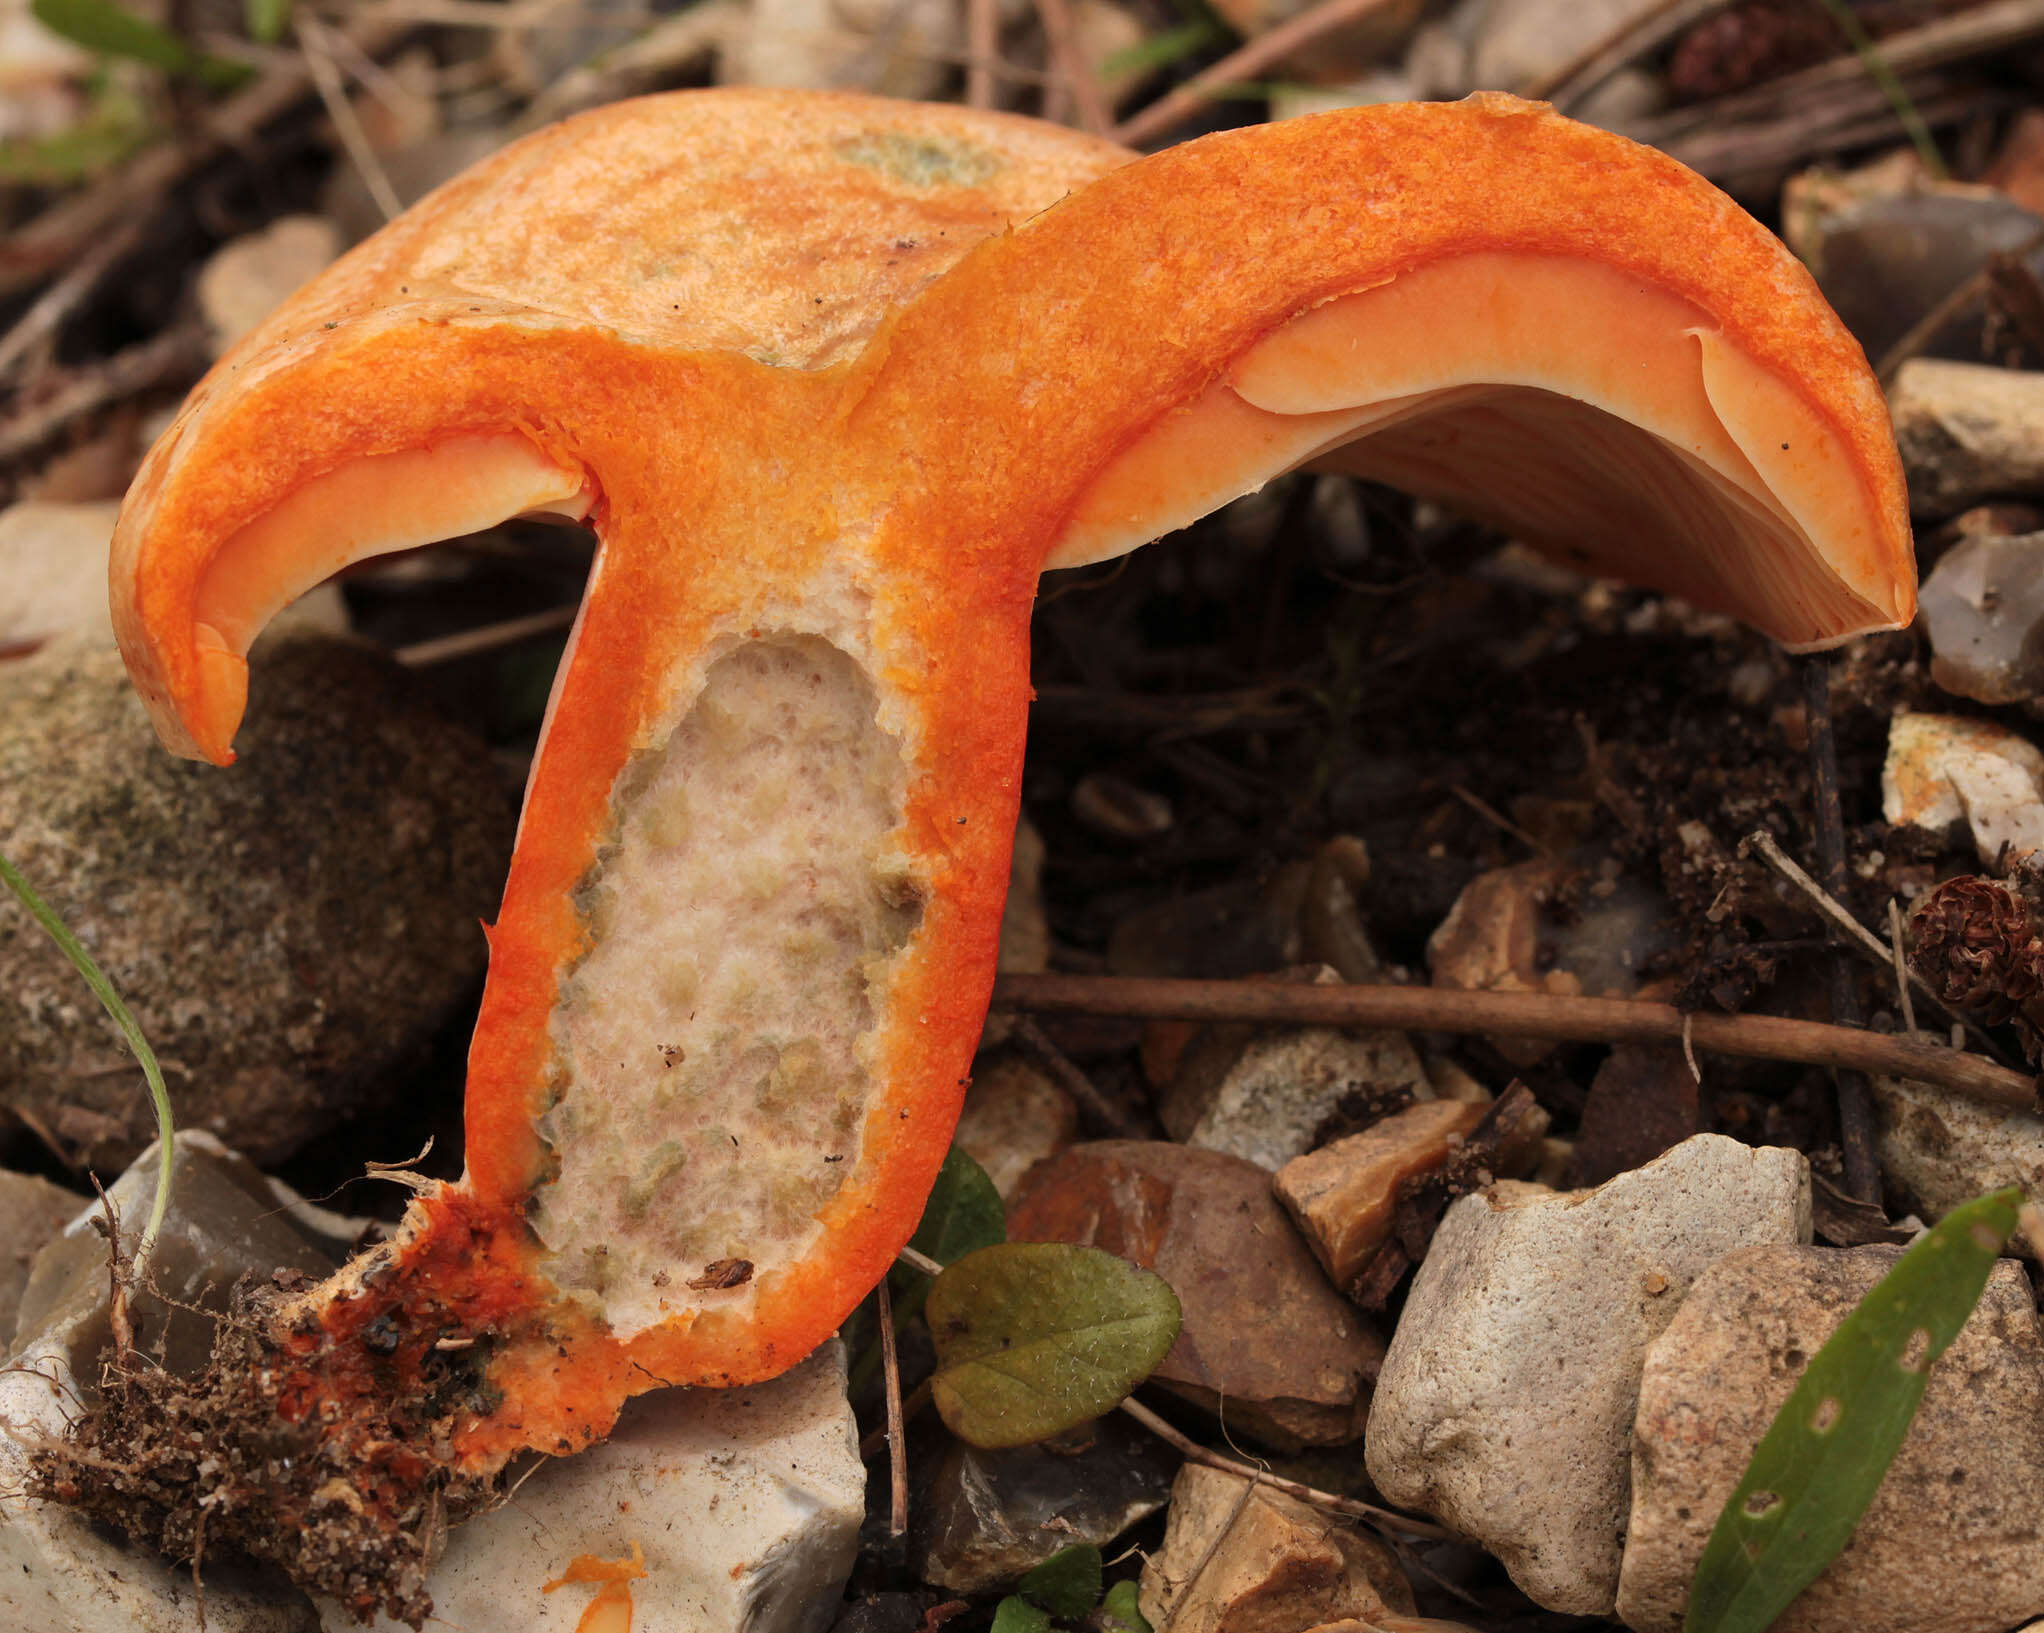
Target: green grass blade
x,y
103,990
1828,1449
1899,100
113,31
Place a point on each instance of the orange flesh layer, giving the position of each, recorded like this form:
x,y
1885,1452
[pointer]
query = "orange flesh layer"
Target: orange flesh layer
x,y
893,498
1672,431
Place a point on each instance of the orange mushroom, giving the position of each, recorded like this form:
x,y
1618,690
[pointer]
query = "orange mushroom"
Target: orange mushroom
x,y
834,380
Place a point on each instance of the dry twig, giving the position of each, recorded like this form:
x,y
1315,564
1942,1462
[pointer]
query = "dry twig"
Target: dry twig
x,y
1244,64
1762,844
1526,1014
326,80
1074,71
173,356
897,1446
1636,37
982,46
1073,1081
56,236
1354,1507
1855,1101
42,320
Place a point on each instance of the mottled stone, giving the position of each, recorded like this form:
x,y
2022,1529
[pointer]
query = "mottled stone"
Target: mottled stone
x,y
1505,1404
1344,1195
1950,1543
1242,1558
290,932
1941,1149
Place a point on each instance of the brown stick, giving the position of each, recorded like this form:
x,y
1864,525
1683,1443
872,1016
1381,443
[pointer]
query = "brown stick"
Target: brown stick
x,y
1975,32
982,45
1095,117
1355,1507
1245,64
42,320
1526,1014
1856,1131
1074,1082
897,1446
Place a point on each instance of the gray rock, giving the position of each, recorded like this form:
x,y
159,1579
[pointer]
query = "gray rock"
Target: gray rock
x,y
1506,1401
1950,1543
1967,431
1982,609
989,1516
58,1572
289,932
32,1211
745,1502
1941,1149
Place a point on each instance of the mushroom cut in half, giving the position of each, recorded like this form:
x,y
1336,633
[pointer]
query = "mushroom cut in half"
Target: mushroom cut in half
x,y
834,380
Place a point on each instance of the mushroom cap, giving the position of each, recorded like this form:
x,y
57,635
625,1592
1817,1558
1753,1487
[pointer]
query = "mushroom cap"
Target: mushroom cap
x,y
782,227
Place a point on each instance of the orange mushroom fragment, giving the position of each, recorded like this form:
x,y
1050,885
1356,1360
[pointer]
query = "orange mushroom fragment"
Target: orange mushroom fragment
x,y
834,380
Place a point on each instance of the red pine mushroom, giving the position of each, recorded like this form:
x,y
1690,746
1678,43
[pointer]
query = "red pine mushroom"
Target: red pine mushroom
x,y
834,380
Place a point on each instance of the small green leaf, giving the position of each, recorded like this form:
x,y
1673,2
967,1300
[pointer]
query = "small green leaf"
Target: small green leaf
x,y
1034,1337
1067,1583
1122,1611
265,19
1014,1615
1824,1456
113,31
964,1214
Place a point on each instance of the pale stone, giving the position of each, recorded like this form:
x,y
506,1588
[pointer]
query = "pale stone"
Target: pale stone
x,y
1941,768
1014,1117
746,1503
1506,1401
1521,44
1242,1558
243,282
1941,1149
1344,1195
53,562
1967,431
1950,1543
884,46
